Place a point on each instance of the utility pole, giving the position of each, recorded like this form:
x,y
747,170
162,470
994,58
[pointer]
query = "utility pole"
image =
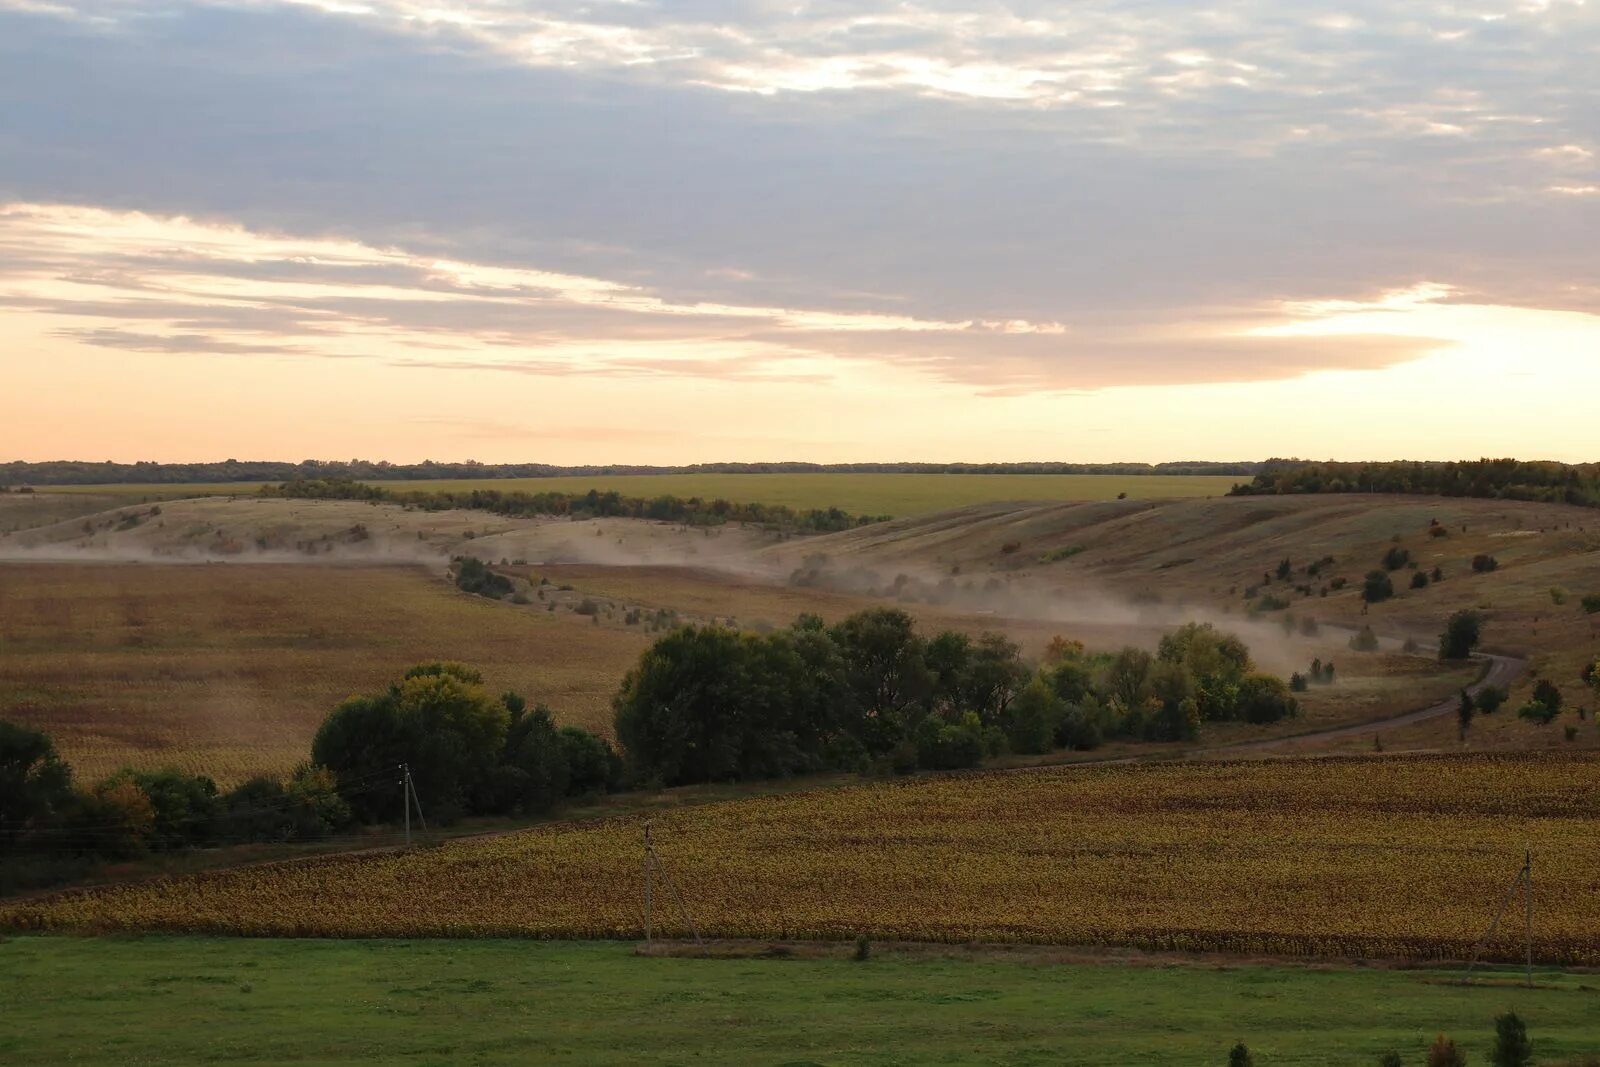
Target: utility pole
x,y
649,856
1527,920
653,866
405,798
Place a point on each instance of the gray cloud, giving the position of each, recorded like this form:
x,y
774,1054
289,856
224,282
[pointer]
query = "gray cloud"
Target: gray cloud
x,y
1313,152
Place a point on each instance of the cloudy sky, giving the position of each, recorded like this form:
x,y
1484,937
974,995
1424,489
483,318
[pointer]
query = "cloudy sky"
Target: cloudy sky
x,y
681,230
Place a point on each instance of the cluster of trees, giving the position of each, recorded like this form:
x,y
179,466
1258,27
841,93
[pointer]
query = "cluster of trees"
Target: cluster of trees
x,y
75,472
467,751
472,575
691,511
711,704
703,704
1502,479
43,812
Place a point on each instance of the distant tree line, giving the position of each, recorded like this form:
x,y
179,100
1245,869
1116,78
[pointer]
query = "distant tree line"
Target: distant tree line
x,y
691,511
1501,479
76,472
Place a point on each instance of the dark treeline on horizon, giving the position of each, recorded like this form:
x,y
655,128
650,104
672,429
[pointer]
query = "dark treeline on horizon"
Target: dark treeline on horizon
x,y
84,472
1500,479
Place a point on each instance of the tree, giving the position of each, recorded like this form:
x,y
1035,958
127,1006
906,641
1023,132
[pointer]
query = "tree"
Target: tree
x,y
1491,698
35,785
439,720
1483,564
1216,661
1239,1056
1511,1045
533,774
1264,698
1464,713
474,576
1031,720
1461,635
1377,587
1419,580
1396,558
1548,693
1285,569
885,672
1443,1053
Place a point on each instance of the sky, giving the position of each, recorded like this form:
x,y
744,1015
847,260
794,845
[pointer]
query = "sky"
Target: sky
x,y
686,231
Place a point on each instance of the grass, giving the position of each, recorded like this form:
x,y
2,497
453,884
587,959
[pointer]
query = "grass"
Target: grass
x,y
201,1001
1396,858
228,669
862,494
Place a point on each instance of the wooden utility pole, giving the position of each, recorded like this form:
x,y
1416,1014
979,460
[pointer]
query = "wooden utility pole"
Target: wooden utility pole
x,y
652,867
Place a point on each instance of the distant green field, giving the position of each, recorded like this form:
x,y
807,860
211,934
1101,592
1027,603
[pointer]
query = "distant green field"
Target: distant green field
x,y
198,1000
861,494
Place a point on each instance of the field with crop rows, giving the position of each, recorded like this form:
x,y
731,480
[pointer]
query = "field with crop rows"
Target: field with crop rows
x,y
228,669
861,494
1403,858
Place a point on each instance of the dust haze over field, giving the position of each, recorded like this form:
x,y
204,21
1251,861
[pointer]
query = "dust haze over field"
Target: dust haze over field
x,y
1109,574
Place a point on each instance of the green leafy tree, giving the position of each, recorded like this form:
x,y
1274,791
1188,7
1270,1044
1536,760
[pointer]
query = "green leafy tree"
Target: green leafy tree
x,y
439,720
35,784
1264,698
1031,720
1461,635
1377,587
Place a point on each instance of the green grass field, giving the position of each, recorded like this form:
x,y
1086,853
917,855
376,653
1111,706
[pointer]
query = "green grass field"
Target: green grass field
x,y
196,1000
862,494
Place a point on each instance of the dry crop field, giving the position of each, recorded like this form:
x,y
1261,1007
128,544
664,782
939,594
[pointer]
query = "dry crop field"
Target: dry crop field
x,y
227,669
1407,857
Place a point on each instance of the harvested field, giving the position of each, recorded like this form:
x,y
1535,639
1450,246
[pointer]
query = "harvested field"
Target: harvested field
x,y
1405,857
227,669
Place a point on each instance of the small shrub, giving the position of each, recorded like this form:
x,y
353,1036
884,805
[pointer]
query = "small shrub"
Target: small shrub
x,y
1396,558
1365,641
1558,595
1338,584
1239,1056
1389,1059
1570,732
1411,646
1009,547
1298,683
1483,564
1444,1053
1511,1045
1377,587
863,949
1533,711
1591,604
1419,580
1548,693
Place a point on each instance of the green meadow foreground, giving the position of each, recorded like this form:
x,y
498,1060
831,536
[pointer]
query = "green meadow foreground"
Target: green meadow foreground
x,y
200,1000
866,494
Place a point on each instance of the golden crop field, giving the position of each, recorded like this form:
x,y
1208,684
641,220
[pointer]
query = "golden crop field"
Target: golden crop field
x,y
1407,857
861,494
228,669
